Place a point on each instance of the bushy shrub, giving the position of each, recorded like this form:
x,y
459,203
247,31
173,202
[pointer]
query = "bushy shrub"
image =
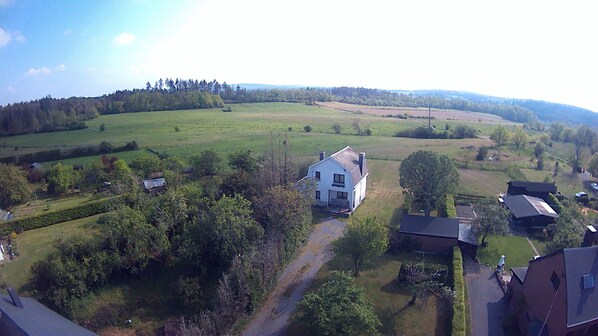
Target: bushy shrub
x,y
482,153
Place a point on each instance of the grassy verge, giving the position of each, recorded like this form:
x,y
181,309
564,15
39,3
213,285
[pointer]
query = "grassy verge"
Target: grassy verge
x,y
515,248
390,301
42,205
35,245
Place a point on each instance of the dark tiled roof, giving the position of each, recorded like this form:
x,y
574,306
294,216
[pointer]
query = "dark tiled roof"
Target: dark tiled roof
x,y
430,226
36,319
519,272
348,158
582,304
534,186
522,206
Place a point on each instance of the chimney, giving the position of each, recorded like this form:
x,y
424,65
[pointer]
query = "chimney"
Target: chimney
x,y
361,162
591,237
15,298
322,155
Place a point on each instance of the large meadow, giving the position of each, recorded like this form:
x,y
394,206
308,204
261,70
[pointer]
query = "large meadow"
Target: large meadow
x,y
253,126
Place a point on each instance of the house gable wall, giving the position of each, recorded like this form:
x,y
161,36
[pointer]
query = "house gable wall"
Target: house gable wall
x,y
539,294
327,169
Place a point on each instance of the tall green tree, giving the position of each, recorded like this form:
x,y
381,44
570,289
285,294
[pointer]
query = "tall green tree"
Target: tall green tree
x,y
492,219
363,239
428,176
500,135
61,178
520,138
339,307
569,228
593,165
146,164
207,163
13,185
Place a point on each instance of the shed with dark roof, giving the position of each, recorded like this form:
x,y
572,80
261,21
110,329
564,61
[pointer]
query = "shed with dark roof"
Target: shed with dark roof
x,y
434,234
530,211
536,189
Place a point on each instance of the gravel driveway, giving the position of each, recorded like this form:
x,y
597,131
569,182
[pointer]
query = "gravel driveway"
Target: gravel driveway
x,y
273,317
486,304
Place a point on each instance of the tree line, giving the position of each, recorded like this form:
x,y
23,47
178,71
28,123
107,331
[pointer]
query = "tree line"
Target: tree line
x,y
49,114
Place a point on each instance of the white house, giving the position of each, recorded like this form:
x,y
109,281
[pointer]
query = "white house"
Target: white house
x,y
341,179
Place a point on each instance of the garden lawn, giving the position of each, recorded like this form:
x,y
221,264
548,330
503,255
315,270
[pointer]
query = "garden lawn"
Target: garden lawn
x,y
35,245
517,250
54,203
384,194
390,301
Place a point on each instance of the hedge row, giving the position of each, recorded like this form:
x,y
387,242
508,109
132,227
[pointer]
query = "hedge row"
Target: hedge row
x,y
554,202
58,216
459,324
446,207
407,203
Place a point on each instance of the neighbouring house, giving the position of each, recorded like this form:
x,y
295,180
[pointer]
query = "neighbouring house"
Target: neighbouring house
x,y
556,294
535,189
435,234
156,185
529,211
341,179
36,165
21,316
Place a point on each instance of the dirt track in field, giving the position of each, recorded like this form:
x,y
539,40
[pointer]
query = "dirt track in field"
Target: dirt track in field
x,y
439,114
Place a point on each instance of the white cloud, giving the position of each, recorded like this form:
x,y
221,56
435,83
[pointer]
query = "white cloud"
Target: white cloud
x,y
4,3
89,70
10,88
123,39
67,32
60,67
4,37
33,72
20,38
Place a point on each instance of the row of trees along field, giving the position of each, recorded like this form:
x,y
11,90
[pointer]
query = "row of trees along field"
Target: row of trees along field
x,y
243,219
49,114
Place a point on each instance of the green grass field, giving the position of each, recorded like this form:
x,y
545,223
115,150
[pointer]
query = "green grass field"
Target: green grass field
x,y
40,205
35,245
517,250
390,300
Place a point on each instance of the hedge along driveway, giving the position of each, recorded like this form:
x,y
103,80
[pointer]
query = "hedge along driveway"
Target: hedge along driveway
x,y
59,216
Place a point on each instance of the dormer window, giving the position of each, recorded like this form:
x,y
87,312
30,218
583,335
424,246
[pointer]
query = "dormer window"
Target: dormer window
x,y
588,281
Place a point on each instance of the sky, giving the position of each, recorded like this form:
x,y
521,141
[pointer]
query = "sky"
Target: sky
x,y
543,50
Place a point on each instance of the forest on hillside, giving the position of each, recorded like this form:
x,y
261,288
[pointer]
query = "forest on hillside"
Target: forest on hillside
x,y
50,114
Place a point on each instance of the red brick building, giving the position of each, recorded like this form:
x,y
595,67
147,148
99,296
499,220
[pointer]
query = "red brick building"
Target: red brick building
x,y
556,294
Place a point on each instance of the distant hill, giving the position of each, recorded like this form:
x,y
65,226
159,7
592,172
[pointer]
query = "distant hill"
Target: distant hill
x,y
545,111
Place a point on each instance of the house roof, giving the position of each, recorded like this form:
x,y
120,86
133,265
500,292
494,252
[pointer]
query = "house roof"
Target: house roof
x,y
348,158
430,226
522,206
36,319
519,273
582,304
154,183
534,186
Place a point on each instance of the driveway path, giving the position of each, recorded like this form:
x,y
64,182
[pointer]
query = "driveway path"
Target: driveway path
x,y
273,317
486,304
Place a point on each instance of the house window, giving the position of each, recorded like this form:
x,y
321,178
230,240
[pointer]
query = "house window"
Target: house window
x,y
341,195
317,175
339,179
317,194
556,282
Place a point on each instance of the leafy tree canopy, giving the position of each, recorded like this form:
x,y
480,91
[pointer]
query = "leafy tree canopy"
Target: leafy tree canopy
x,y
428,176
363,238
569,228
338,308
492,219
13,185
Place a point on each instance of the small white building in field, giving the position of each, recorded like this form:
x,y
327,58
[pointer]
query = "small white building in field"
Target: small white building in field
x,y
341,179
